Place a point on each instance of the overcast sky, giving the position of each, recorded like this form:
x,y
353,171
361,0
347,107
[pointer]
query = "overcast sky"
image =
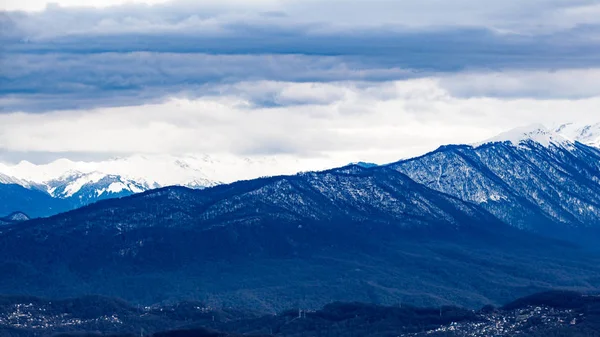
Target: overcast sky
x,y
338,80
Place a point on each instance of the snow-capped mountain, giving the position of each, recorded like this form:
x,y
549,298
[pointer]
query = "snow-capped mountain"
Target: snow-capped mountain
x,y
393,230
532,178
13,218
537,133
6,179
81,183
71,190
525,176
196,171
85,188
586,134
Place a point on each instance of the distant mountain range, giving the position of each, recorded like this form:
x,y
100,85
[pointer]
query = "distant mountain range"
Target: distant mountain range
x,y
64,185
466,224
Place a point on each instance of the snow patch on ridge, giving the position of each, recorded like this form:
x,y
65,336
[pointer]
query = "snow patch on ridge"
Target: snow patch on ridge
x,y
534,133
585,134
154,171
76,185
6,179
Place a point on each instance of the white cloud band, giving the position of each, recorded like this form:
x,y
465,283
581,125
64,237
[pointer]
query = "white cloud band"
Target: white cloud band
x,y
343,121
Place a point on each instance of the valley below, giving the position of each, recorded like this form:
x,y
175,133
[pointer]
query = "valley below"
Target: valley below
x,y
556,313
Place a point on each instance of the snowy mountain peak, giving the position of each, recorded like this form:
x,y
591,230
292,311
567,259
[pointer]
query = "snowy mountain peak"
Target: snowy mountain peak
x,y
6,179
17,216
84,182
93,185
536,133
585,134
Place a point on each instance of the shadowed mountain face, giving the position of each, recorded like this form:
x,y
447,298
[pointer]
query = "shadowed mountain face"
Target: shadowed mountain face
x,y
353,233
57,196
349,194
552,190
33,202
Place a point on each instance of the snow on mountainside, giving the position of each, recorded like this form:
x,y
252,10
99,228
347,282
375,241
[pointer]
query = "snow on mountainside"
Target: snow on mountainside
x,y
585,134
14,217
6,179
531,178
482,173
85,188
17,216
391,229
536,133
87,182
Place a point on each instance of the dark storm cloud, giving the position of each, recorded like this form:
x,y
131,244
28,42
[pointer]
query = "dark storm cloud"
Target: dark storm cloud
x,y
84,58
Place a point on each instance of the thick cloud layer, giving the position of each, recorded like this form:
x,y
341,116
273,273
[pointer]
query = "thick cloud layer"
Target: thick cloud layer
x,y
340,122
298,77
156,15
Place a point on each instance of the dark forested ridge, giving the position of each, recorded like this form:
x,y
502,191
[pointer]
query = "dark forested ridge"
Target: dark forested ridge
x,y
555,313
349,234
549,189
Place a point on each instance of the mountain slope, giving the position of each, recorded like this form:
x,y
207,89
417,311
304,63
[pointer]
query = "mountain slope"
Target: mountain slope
x,y
63,194
82,189
194,171
346,234
33,202
351,193
82,183
87,182
15,217
585,134
532,179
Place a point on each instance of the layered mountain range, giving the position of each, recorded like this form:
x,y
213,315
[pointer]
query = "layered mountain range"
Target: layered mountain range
x,y
465,224
64,184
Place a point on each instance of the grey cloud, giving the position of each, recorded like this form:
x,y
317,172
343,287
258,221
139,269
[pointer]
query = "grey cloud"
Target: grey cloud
x,y
41,82
211,16
312,77
78,58
369,121
566,83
